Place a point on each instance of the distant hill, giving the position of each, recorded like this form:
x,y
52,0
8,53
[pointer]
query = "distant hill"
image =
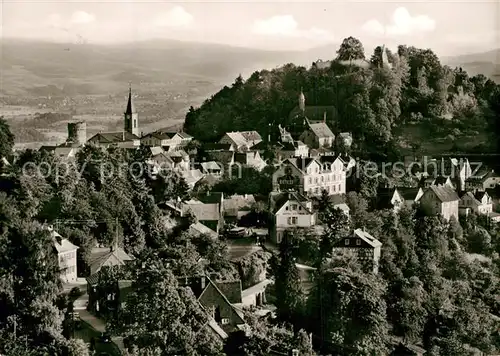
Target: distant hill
x,y
38,68
487,63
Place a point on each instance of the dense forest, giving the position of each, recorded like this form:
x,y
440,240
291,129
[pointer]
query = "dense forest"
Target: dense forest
x,y
373,99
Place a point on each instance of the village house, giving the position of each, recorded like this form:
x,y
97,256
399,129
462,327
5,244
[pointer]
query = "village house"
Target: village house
x,y
251,159
211,168
397,197
441,200
311,176
121,139
410,196
106,298
365,247
198,229
291,149
485,179
478,202
66,256
290,210
192,176
237,206
241,140
318,135
210,215
173,140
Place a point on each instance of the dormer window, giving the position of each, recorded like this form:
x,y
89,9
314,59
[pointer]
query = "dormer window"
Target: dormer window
x,y
346,242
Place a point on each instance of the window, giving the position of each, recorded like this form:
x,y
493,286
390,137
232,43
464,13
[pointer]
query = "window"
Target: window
x,y
358,242
334,187
346,242
310,180
340,187
135,124
286,207
292,220
225,321
300,208
322,179
294,206
316,180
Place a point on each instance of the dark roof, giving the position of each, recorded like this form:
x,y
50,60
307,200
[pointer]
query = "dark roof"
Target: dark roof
x,y
444,193
203,212
321,129
47,148
408,193
243,157
384,197
222,157
216,146
300,163
113,137
278,200
440,180
211,197
103,256
231,289
479,195
251,135
316,113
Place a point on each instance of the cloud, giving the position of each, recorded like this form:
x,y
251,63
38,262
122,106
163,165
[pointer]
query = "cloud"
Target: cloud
x,y
286,25
175,17
402,24
82,17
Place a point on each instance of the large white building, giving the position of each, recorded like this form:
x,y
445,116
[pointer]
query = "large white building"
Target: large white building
x,y
311,176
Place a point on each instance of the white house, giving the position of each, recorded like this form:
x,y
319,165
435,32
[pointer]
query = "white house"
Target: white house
x,y
290,210
66,256
441,200
311,176
241,140
479,202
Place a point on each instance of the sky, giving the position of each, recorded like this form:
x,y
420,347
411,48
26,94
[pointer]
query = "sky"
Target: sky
x,y
448,27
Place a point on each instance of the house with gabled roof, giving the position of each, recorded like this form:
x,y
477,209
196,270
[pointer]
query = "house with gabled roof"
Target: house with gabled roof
x,y
211,167
166,138
121,139
440,200
209,215
289,210
318,135
241,140
251,159
107,256
365,247
478,202
66,256
218,299
482,180
311,176
410,195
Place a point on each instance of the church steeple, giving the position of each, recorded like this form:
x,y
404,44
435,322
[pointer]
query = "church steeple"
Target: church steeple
x,y
302,101
130,103
131,117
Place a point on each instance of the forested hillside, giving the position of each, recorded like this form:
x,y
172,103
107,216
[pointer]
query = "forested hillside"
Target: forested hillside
x,y
374,99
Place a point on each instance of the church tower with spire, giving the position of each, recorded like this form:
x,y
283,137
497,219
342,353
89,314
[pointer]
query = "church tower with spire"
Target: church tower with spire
x,y
131,117
302,101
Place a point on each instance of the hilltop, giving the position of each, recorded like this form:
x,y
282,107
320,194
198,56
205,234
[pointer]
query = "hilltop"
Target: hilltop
x,y
393,103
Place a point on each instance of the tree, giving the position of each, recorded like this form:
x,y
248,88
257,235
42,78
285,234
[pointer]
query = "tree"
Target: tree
x,y
350,49
160,317
336,228
289,294
348,312
6,139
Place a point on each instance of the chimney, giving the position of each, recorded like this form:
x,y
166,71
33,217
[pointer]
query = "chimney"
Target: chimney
x,y
123,136
324,117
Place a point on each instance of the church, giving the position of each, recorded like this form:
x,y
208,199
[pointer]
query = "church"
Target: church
x,y
129,137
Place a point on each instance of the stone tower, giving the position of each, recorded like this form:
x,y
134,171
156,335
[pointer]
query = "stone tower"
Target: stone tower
x,y
302,101
77,133
131,117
